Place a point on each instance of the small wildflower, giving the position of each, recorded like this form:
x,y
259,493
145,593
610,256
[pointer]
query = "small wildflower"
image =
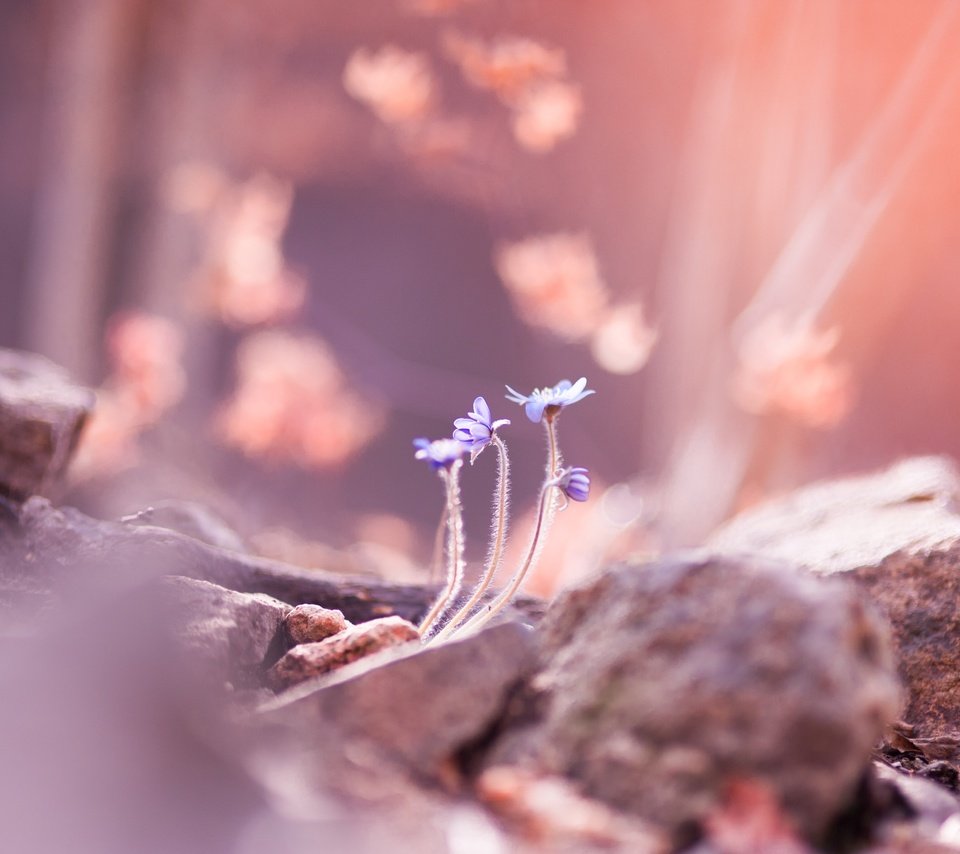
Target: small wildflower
x,y
574,482
440,453
550,400
476,431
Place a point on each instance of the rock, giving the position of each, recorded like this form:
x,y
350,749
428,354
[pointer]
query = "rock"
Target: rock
x,y
227,633
314,659
416,709
190,519
661,684
312,623
49,542
551,815
42,413
896,534
848,523
930,803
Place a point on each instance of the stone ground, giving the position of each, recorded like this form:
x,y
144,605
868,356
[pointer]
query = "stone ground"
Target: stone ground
x,y
794,686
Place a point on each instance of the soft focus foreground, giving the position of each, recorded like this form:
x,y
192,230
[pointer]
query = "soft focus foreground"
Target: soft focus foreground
x,y
280,241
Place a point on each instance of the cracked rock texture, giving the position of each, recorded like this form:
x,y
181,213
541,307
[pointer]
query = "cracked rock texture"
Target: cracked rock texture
x,y
895,533
662,683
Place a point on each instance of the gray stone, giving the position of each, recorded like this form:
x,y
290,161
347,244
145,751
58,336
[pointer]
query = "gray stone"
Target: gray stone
x,y
226,633
42,413
931,803
190,519
847,523
47,542
662,683
895,533
315,659
412,707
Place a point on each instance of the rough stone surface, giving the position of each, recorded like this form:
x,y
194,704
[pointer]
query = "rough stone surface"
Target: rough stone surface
x,y
41,415
46,542
314,659
228,633
190,519
312,623
662,683
413,707
897,534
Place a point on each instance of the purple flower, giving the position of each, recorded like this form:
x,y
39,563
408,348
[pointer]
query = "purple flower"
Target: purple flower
x,y
440,453
575,483
550,400
476,430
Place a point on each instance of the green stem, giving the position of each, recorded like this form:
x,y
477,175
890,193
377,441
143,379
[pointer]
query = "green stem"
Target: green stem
x,y
497,543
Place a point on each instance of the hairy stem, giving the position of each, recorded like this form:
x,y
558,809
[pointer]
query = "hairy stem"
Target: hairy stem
x,y
451,479
436,559
497,542
546,510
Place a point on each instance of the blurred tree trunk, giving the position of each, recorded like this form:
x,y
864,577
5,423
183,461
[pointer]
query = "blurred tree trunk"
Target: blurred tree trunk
x,y
70,255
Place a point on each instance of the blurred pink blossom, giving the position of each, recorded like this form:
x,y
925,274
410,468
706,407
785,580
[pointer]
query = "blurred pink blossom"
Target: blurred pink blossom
x,y
146,379
247,277
398,85
526,76
505,66
243,278
292,404
623,341
546,114
554,281
787,368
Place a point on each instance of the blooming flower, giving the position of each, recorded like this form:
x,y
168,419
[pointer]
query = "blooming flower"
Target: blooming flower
x,y
476,430
440,453
575,483
550,400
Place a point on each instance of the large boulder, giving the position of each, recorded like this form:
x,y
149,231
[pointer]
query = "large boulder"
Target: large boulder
x,y
41,415
663,684
896,533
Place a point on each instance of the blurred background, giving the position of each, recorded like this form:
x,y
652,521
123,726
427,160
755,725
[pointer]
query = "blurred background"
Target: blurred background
x,y
283,239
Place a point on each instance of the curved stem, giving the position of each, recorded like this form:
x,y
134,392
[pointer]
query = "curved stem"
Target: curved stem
x,y
555,460
454,547
497,542
437,558
546,510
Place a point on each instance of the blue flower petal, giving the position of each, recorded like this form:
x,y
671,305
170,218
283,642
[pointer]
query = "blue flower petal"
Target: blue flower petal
x,y
482,411
534,410
515,396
